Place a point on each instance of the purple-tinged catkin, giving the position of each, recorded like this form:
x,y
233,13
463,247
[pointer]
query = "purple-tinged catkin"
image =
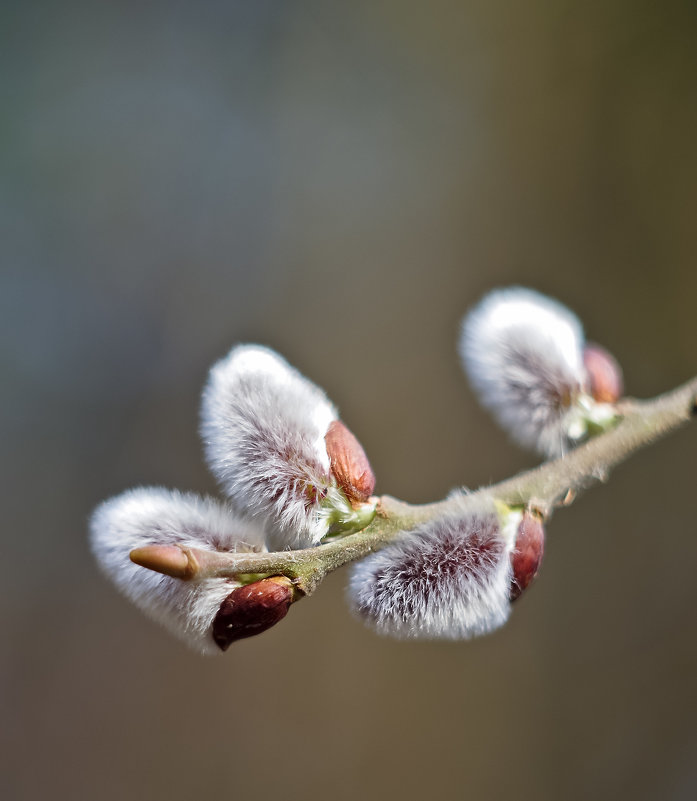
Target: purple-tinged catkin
x,y
449,578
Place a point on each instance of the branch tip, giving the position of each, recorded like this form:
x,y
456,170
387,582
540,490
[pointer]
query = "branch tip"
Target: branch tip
x,y
171,560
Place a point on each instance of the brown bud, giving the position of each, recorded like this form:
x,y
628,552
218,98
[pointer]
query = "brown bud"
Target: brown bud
x,y
527,555
167,559
604,374
252,609
349,463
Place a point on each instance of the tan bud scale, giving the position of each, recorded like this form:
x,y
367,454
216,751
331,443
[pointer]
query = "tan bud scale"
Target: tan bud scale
x,y
349,463
167,559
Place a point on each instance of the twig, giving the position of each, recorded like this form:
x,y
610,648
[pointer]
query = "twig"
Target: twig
x,y
551,485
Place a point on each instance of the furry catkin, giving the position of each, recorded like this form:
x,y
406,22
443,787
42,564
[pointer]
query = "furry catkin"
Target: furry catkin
x,y
523,354
263,425
156,516
448,579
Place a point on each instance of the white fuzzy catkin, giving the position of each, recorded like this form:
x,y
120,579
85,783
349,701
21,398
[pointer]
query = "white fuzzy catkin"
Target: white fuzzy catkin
x,y
263,425
156,516
448,579
523,353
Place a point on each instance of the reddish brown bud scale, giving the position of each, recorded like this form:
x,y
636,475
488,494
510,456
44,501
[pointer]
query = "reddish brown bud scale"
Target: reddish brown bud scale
x,y
349,463
604,374
527,554
252,609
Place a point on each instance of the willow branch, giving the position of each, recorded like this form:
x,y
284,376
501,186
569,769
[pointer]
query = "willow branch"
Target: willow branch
x,y
553,484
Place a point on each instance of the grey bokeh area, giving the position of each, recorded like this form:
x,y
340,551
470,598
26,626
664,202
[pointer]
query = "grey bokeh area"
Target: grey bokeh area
x,y
340,181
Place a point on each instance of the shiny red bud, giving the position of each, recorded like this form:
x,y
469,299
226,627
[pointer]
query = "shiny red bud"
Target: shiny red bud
x,y
252,609
527,554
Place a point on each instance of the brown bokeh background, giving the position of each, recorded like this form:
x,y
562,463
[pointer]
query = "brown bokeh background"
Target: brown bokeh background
x,y
340,181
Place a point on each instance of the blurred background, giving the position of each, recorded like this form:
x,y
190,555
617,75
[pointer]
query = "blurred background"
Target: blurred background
x,y
341,181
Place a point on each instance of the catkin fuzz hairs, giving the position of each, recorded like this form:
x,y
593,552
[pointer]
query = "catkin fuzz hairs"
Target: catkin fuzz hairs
x,y
264,427
527,360
153,515
449,578
523,354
